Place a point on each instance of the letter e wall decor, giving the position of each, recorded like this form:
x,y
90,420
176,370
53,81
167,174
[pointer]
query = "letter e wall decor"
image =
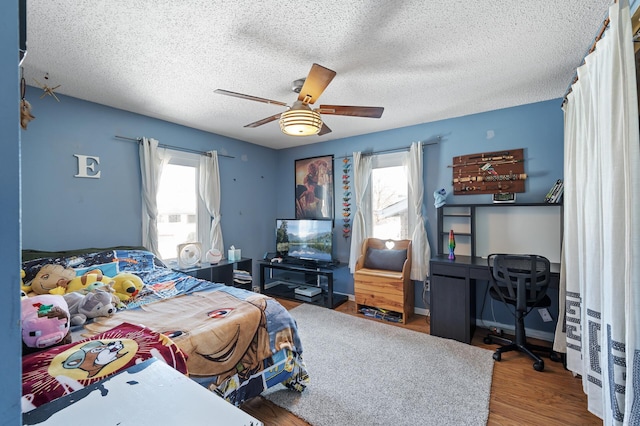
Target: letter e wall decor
x,y
87,163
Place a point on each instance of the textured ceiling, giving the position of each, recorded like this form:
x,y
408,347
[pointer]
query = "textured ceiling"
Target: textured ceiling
x,y
421,60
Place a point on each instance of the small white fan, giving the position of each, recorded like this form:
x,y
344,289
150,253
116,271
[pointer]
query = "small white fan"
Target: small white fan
x,y
189,254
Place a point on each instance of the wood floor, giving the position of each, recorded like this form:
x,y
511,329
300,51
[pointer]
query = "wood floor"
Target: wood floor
x,y
519,394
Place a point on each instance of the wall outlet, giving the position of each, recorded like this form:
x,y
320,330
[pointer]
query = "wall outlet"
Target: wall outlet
x,y
427,285
544,313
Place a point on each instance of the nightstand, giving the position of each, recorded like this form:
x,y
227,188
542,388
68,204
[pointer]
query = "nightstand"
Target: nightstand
x,y
221,272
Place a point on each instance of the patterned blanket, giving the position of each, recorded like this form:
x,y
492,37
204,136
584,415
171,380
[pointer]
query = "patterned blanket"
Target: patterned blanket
x,y
60,370
236,342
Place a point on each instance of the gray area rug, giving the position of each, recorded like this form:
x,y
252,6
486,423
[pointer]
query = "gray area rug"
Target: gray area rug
x,y
366,372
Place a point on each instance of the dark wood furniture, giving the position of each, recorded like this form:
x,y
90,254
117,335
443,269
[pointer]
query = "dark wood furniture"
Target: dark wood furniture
x,y
453,294
284,278
470,226
221,272
452,285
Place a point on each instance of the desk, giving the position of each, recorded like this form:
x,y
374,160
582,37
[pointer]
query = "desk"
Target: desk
x,y
453,294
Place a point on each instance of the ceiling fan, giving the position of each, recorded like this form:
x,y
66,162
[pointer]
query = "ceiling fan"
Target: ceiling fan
x,y
300,119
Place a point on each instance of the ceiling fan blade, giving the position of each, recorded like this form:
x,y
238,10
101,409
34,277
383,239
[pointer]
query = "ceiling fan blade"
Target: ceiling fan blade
x,y
249,97
318,79
324,129
264,120
354,111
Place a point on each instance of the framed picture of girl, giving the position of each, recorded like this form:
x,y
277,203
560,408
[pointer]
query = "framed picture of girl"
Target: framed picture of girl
x,y
314,187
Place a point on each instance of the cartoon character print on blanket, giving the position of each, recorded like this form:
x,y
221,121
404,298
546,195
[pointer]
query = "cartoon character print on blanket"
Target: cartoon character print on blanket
x,y
50,374
233,346
92,357
221,334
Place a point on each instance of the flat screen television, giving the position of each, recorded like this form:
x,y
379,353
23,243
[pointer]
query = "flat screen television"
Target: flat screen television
x,y
305,239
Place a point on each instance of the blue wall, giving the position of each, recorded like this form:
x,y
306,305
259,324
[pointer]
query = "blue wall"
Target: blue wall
x,y
62,212
10,412
538,128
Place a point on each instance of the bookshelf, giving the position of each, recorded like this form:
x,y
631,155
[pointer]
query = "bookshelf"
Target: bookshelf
x,y
482,229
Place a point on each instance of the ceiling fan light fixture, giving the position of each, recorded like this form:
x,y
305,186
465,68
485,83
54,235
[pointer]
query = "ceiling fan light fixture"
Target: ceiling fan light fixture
x,y
300,120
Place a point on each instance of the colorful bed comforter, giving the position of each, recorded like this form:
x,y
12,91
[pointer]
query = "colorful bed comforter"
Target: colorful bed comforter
x,y
235,342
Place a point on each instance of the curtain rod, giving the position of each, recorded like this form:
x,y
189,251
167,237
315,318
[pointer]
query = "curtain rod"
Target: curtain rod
x,y
605,24
406,148
177,148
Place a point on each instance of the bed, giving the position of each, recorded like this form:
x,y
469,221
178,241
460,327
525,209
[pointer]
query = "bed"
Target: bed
x,y
232,341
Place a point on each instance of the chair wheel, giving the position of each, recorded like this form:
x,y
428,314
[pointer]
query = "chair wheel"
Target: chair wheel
x,y
555,357
497,356
488,340
538,366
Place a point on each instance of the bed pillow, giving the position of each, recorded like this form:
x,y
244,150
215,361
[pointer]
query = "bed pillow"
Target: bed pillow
x,y
108,269
135,260
389,260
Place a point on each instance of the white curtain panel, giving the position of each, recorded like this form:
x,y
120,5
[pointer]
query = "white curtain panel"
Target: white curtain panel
x,y
361,175
150,169
209,188
600,266
420,249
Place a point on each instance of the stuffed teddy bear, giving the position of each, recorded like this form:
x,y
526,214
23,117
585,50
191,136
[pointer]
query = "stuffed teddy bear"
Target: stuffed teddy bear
x,y
87,282
51,277
127,285
25,113
24,289
45,322
96,303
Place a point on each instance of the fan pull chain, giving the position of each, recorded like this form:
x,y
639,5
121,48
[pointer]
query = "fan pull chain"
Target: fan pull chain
x,y
23,84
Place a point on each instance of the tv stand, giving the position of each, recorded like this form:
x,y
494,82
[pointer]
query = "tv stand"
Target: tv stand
x,y
295,276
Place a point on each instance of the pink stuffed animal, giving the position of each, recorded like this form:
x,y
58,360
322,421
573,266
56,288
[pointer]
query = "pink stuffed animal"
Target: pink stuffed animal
x,y
45,322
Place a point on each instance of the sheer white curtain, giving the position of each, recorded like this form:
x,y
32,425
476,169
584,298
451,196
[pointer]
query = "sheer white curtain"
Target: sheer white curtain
x,y
209,188
420,249
361,175
601,255
152,160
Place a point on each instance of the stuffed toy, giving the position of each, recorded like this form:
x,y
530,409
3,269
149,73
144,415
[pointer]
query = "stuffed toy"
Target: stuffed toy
x,y
51,279
25,113
24,289
45,322
82,307
87,282
127,285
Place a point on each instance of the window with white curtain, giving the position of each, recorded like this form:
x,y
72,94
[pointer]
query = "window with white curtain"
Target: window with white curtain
x,y
182,216
388,193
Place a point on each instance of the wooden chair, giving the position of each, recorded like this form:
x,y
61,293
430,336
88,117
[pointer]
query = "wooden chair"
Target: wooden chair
x,y
382,277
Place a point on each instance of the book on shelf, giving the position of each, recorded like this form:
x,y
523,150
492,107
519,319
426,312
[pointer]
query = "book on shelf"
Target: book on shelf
x,y
556,197
554,194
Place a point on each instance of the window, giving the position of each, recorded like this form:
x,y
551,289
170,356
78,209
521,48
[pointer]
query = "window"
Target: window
x,y
388,192
182,216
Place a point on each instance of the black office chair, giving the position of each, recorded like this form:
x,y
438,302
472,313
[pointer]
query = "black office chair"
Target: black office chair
x,y
520,281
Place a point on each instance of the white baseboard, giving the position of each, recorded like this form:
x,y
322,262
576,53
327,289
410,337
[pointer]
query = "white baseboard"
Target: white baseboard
x,y
510,329
421,311
350,296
